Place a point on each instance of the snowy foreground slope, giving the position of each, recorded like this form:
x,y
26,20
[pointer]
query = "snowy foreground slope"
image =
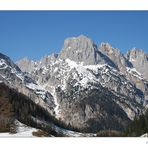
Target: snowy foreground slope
x,y
145,135
21,131
26,131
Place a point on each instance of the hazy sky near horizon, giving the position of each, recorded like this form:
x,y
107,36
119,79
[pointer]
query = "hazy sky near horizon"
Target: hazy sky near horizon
x,y
38,33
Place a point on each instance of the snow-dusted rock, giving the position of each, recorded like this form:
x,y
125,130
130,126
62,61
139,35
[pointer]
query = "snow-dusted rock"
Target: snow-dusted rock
x,y
11,75
139,59
144,135
87,87
21,131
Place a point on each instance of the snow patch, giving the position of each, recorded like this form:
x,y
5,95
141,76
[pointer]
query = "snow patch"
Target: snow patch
x,y
69,47
3,64
38,90
55,70
56,109
66,132
144,135
134,72
44,70
21,131
33,86
131,59
18,74
71,63
86,74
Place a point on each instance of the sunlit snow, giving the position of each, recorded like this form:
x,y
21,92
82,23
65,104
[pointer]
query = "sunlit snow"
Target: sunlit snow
x,y
134,72
21,131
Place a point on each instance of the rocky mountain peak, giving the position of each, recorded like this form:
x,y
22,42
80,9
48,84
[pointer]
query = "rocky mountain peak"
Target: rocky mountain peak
x,y
108,49
46,60
26,64
2,56
134,54
115,56
83,86
81,49
5,61
77,42
139,59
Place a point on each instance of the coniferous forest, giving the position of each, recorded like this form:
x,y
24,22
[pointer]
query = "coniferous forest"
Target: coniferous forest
x,y
138,127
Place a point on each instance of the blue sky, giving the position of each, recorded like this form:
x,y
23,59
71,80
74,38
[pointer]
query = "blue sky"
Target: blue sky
x,y
38,33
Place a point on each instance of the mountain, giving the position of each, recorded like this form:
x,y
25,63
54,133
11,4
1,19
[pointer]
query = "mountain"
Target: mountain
x,y
85,88
139,59
135,72
83,50
115,56
26,64
13,77
84,79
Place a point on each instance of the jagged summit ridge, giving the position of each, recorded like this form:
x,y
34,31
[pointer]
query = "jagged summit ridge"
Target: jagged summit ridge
x,y
115,55
139,59
91,85
26,64
82,49
5,60
79,49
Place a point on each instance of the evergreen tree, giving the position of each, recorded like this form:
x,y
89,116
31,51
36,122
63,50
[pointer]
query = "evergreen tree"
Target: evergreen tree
x,y
138,126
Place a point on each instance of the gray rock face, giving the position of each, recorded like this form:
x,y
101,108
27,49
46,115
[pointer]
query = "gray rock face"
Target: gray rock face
x,y
31,66
80,49
26,64
139,59
114,54
83,49
126,66
47,59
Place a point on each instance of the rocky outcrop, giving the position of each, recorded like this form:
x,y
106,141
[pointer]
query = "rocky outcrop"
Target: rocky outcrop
x,y
115,56
83,50
126,66
26,64
139,59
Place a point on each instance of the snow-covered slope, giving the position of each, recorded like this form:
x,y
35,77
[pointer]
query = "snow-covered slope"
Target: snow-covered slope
x,y
144,135
139,60
11,75
134,72
67,78
21,131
